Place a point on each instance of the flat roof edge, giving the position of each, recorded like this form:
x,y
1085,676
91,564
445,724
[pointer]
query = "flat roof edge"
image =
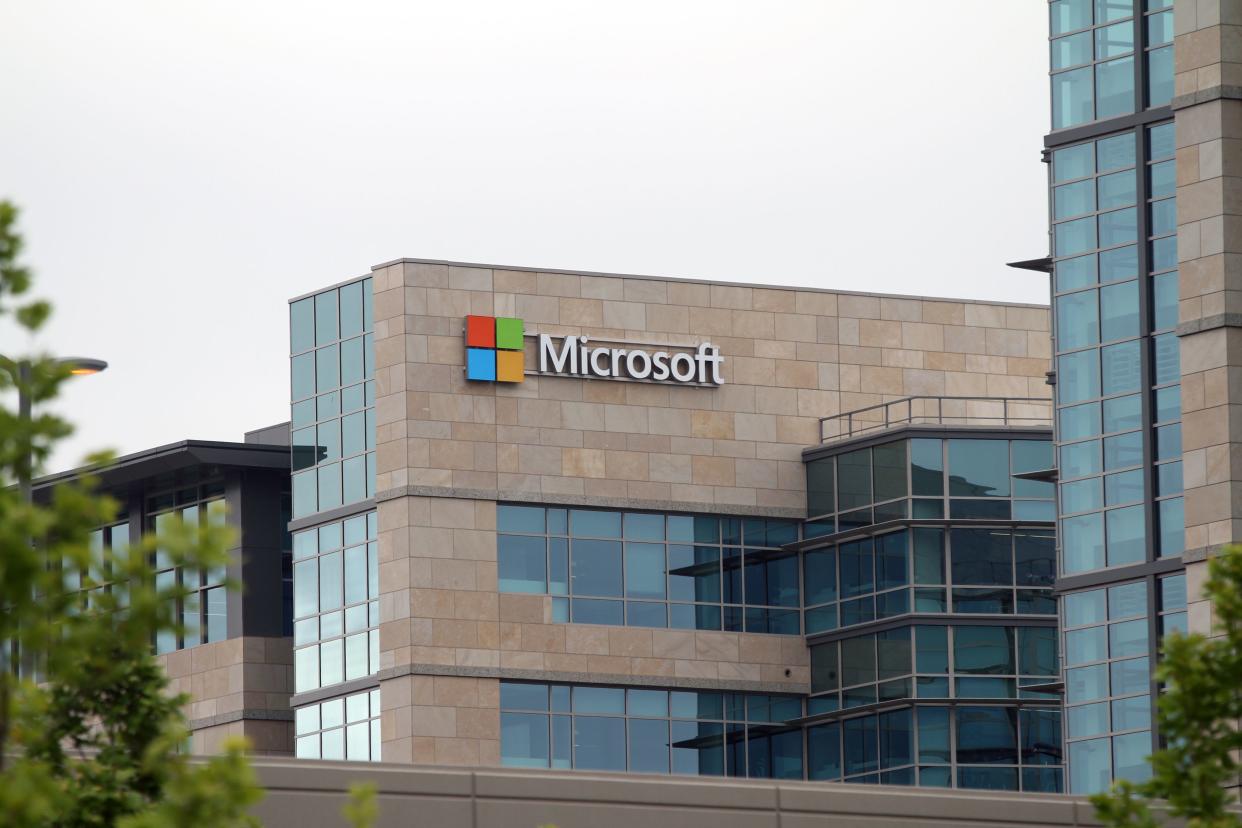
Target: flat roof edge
x,y
688,280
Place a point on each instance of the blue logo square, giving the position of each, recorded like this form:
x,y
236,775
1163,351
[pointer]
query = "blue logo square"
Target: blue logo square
x,y
481,364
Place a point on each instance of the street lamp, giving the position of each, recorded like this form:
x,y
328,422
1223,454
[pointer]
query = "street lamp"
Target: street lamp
x,y
20,371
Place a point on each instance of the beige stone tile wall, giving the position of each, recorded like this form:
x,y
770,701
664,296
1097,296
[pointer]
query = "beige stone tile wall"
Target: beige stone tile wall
x,y
1208,61
448,450
791,357
236,688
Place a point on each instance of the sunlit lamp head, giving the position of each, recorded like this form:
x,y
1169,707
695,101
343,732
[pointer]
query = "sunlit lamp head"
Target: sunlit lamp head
x,y
82,366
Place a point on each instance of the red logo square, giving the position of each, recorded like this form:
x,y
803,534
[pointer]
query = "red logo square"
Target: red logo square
x,y
481,331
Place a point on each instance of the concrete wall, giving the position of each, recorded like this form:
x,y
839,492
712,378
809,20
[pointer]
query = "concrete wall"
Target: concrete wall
x,y
447,450
310,795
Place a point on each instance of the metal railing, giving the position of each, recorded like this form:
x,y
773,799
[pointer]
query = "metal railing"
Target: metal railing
x,y
928,410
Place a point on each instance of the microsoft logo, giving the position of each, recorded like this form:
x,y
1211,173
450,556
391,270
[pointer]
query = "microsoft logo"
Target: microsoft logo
x,y
494,349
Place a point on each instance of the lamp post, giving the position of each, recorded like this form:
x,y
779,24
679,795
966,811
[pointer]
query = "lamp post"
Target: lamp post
x,y
20,371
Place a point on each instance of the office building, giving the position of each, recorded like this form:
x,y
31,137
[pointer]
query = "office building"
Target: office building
x,y
593,522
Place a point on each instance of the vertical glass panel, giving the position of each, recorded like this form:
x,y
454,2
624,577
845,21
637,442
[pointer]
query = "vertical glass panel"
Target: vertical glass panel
x,y
1072,274
524,740
1159,74
1120,368
1118,227
326,327
1116,190
981,556
1069,15
599,743
1126,538
1073,98
821,486
1073,199
301,325
823,746
1112,41
1115,152
854,479
1078,376
1119,311
978,468
644,570
928,555
1073,237
1114,84
595,567
890,471
1078,320
351,309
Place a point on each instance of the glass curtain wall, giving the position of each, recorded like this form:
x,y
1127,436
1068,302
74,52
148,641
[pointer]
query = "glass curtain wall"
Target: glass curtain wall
x,y
204,611
333,398
1113,221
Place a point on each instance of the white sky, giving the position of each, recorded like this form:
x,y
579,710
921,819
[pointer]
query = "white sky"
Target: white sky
x,y
184,169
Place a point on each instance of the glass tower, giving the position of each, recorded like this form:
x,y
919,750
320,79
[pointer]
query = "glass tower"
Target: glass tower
x,y
1112,214
335,531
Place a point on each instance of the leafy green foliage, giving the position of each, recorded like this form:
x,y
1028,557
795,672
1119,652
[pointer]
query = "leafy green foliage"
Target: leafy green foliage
x,y
362,809
89,734
1198,715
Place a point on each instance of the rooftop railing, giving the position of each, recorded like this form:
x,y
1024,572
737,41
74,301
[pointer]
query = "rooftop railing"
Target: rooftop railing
x,y
980,412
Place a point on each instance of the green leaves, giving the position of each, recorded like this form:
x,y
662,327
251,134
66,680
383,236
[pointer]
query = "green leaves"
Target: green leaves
x,y
89,735
1197,716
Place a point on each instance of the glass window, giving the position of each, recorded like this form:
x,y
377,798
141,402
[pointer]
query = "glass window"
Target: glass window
x,y
979,468
983,650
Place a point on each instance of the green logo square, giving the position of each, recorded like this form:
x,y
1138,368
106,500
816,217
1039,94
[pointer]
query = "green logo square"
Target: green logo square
x,y
509,334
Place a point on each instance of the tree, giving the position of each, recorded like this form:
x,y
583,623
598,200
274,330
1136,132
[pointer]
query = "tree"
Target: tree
x,y
1198,715
89,735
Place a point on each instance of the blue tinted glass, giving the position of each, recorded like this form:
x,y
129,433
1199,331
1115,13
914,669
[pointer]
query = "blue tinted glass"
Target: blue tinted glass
x,y
593,524
524,740
1107,11
1086,645
1111,41
644,570
327,368
1086,683
1069,15
596,567
857,573
1126,487
1117,190
1173,592
302,375
987,735
1164,297
1129,638
1130,676
1072,274
1114,87
644,527
1172,527
823,749
1160,140
326,329
1079,421
1169,442
1037,651
594,611
1119,367
1083,608
1072,98
1119,311
521,696
1167,358
1169,476
978,468
981,556
861,745
1074,237
1073,162
1127,600
1078,376
1115,152
1125,535
1132,713
1159,75
983,650
1163,179
1074,199
820,576
1122,413
649,746
1087,719
599,743
1078,320
1123,450
1071,51
1090,766
1163,217
351,309
1083,542
1118,227
1082,496
1120,263
301,326
1080,459
521,563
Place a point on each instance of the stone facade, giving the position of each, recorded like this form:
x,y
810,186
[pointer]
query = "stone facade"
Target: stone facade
x,y
239,687
1208,115
448,450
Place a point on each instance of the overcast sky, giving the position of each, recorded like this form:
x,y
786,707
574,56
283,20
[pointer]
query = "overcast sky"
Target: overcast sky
x,y
184,169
